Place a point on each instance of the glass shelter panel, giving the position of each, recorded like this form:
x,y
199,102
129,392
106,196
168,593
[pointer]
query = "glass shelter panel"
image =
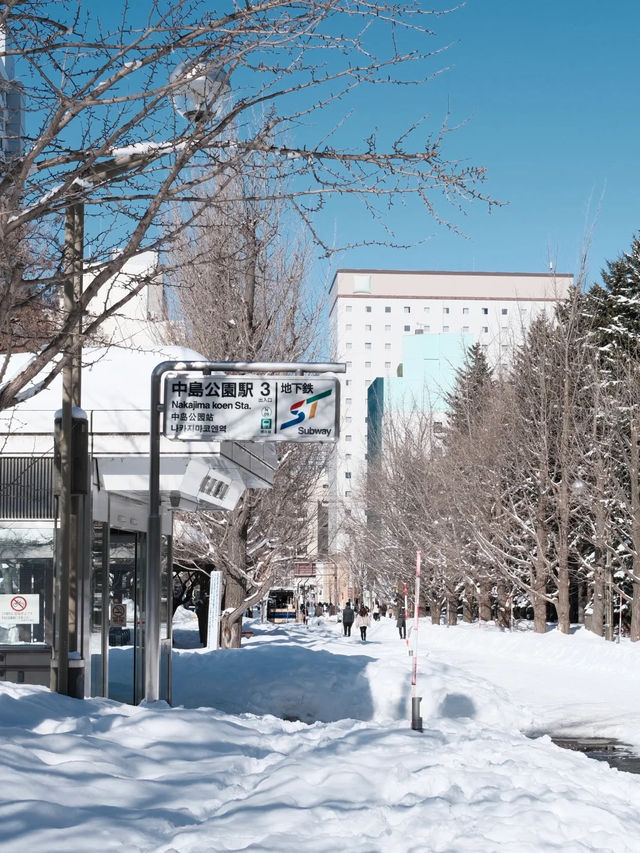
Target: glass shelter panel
x,y
26,567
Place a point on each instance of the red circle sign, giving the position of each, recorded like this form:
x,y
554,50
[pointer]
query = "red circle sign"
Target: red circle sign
x,y
18,603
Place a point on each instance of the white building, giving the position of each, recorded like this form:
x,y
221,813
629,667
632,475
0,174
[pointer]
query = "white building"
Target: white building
x,y
111,506
372,312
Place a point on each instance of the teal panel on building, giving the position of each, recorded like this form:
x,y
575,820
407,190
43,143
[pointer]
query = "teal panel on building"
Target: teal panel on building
x,y
429,366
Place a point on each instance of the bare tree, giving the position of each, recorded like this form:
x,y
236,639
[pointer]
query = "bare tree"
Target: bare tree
x,y
101,137
241,294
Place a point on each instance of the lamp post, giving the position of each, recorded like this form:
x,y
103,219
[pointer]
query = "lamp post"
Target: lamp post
x,y
194,93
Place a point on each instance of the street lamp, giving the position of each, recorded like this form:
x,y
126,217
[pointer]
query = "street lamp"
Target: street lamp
x,y
195,92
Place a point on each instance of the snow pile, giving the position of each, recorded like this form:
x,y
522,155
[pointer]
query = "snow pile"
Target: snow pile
x,y
223,771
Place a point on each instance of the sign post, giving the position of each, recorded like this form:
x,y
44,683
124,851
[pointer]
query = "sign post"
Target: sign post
x,y
301,407
213,616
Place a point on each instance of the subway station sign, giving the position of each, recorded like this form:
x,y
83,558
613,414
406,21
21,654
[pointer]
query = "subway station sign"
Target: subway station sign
x,y
234,407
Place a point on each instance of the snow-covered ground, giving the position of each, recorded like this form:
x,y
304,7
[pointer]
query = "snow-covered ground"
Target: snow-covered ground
x,y
300,741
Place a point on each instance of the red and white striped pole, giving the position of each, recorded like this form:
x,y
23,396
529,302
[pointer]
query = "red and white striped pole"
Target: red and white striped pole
x,y
416,719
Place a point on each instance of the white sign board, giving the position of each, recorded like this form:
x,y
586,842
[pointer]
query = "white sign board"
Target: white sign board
x,y
18,609
213,623
251,408
118,615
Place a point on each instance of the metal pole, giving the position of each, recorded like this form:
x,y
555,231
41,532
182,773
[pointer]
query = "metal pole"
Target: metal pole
x,y
154,541
67,564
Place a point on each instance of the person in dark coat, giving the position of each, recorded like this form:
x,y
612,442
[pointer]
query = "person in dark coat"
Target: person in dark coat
x,y
202,612
347,619
401,624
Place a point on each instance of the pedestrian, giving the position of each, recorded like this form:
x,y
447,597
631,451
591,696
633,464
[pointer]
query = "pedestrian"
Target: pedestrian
x,y
401,624
363,621
347,619
376,612
202,612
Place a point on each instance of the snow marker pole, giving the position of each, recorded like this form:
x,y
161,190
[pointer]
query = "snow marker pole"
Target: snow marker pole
x,y
416,719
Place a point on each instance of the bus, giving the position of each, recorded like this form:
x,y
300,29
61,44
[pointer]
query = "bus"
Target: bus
x,y
281,605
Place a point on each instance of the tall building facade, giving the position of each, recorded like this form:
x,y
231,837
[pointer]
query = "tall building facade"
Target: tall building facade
x,y
11,104
374,312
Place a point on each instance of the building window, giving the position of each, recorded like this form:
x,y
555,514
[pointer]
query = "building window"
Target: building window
x,y
349,401
348,327
427,309
407,309
387,309
348,345
347,457
367,327
465,310
504,312
387,328
445,329
367,345
387,365
445,309
347,419
465,330
367,364
348,308
368,309
485,329
347,382
387,346
427,328
347,438
485,310
347,494
349,365
347,475
407,328
484,348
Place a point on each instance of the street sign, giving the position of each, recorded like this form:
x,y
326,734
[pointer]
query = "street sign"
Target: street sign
x,y
234,407
19,609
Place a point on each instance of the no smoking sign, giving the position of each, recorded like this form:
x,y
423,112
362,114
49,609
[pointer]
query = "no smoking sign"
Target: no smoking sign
x,y
118,614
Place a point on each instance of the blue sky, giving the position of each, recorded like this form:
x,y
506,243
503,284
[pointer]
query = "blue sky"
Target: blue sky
x,y
549,93
546,94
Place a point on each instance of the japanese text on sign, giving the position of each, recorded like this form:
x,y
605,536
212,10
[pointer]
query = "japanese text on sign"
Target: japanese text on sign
x,y
250,408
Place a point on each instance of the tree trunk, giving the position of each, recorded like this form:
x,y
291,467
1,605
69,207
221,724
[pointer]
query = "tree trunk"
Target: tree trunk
x,y
467,603
503,616
452,608
635,532
231,622
539,585
484,600
434,607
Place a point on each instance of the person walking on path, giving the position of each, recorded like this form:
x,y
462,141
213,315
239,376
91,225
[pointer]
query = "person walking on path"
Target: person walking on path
x,y
376,612
347,619
363,621
401,624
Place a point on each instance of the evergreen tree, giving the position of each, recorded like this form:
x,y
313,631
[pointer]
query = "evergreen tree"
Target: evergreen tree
x,y
469,398
614,306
